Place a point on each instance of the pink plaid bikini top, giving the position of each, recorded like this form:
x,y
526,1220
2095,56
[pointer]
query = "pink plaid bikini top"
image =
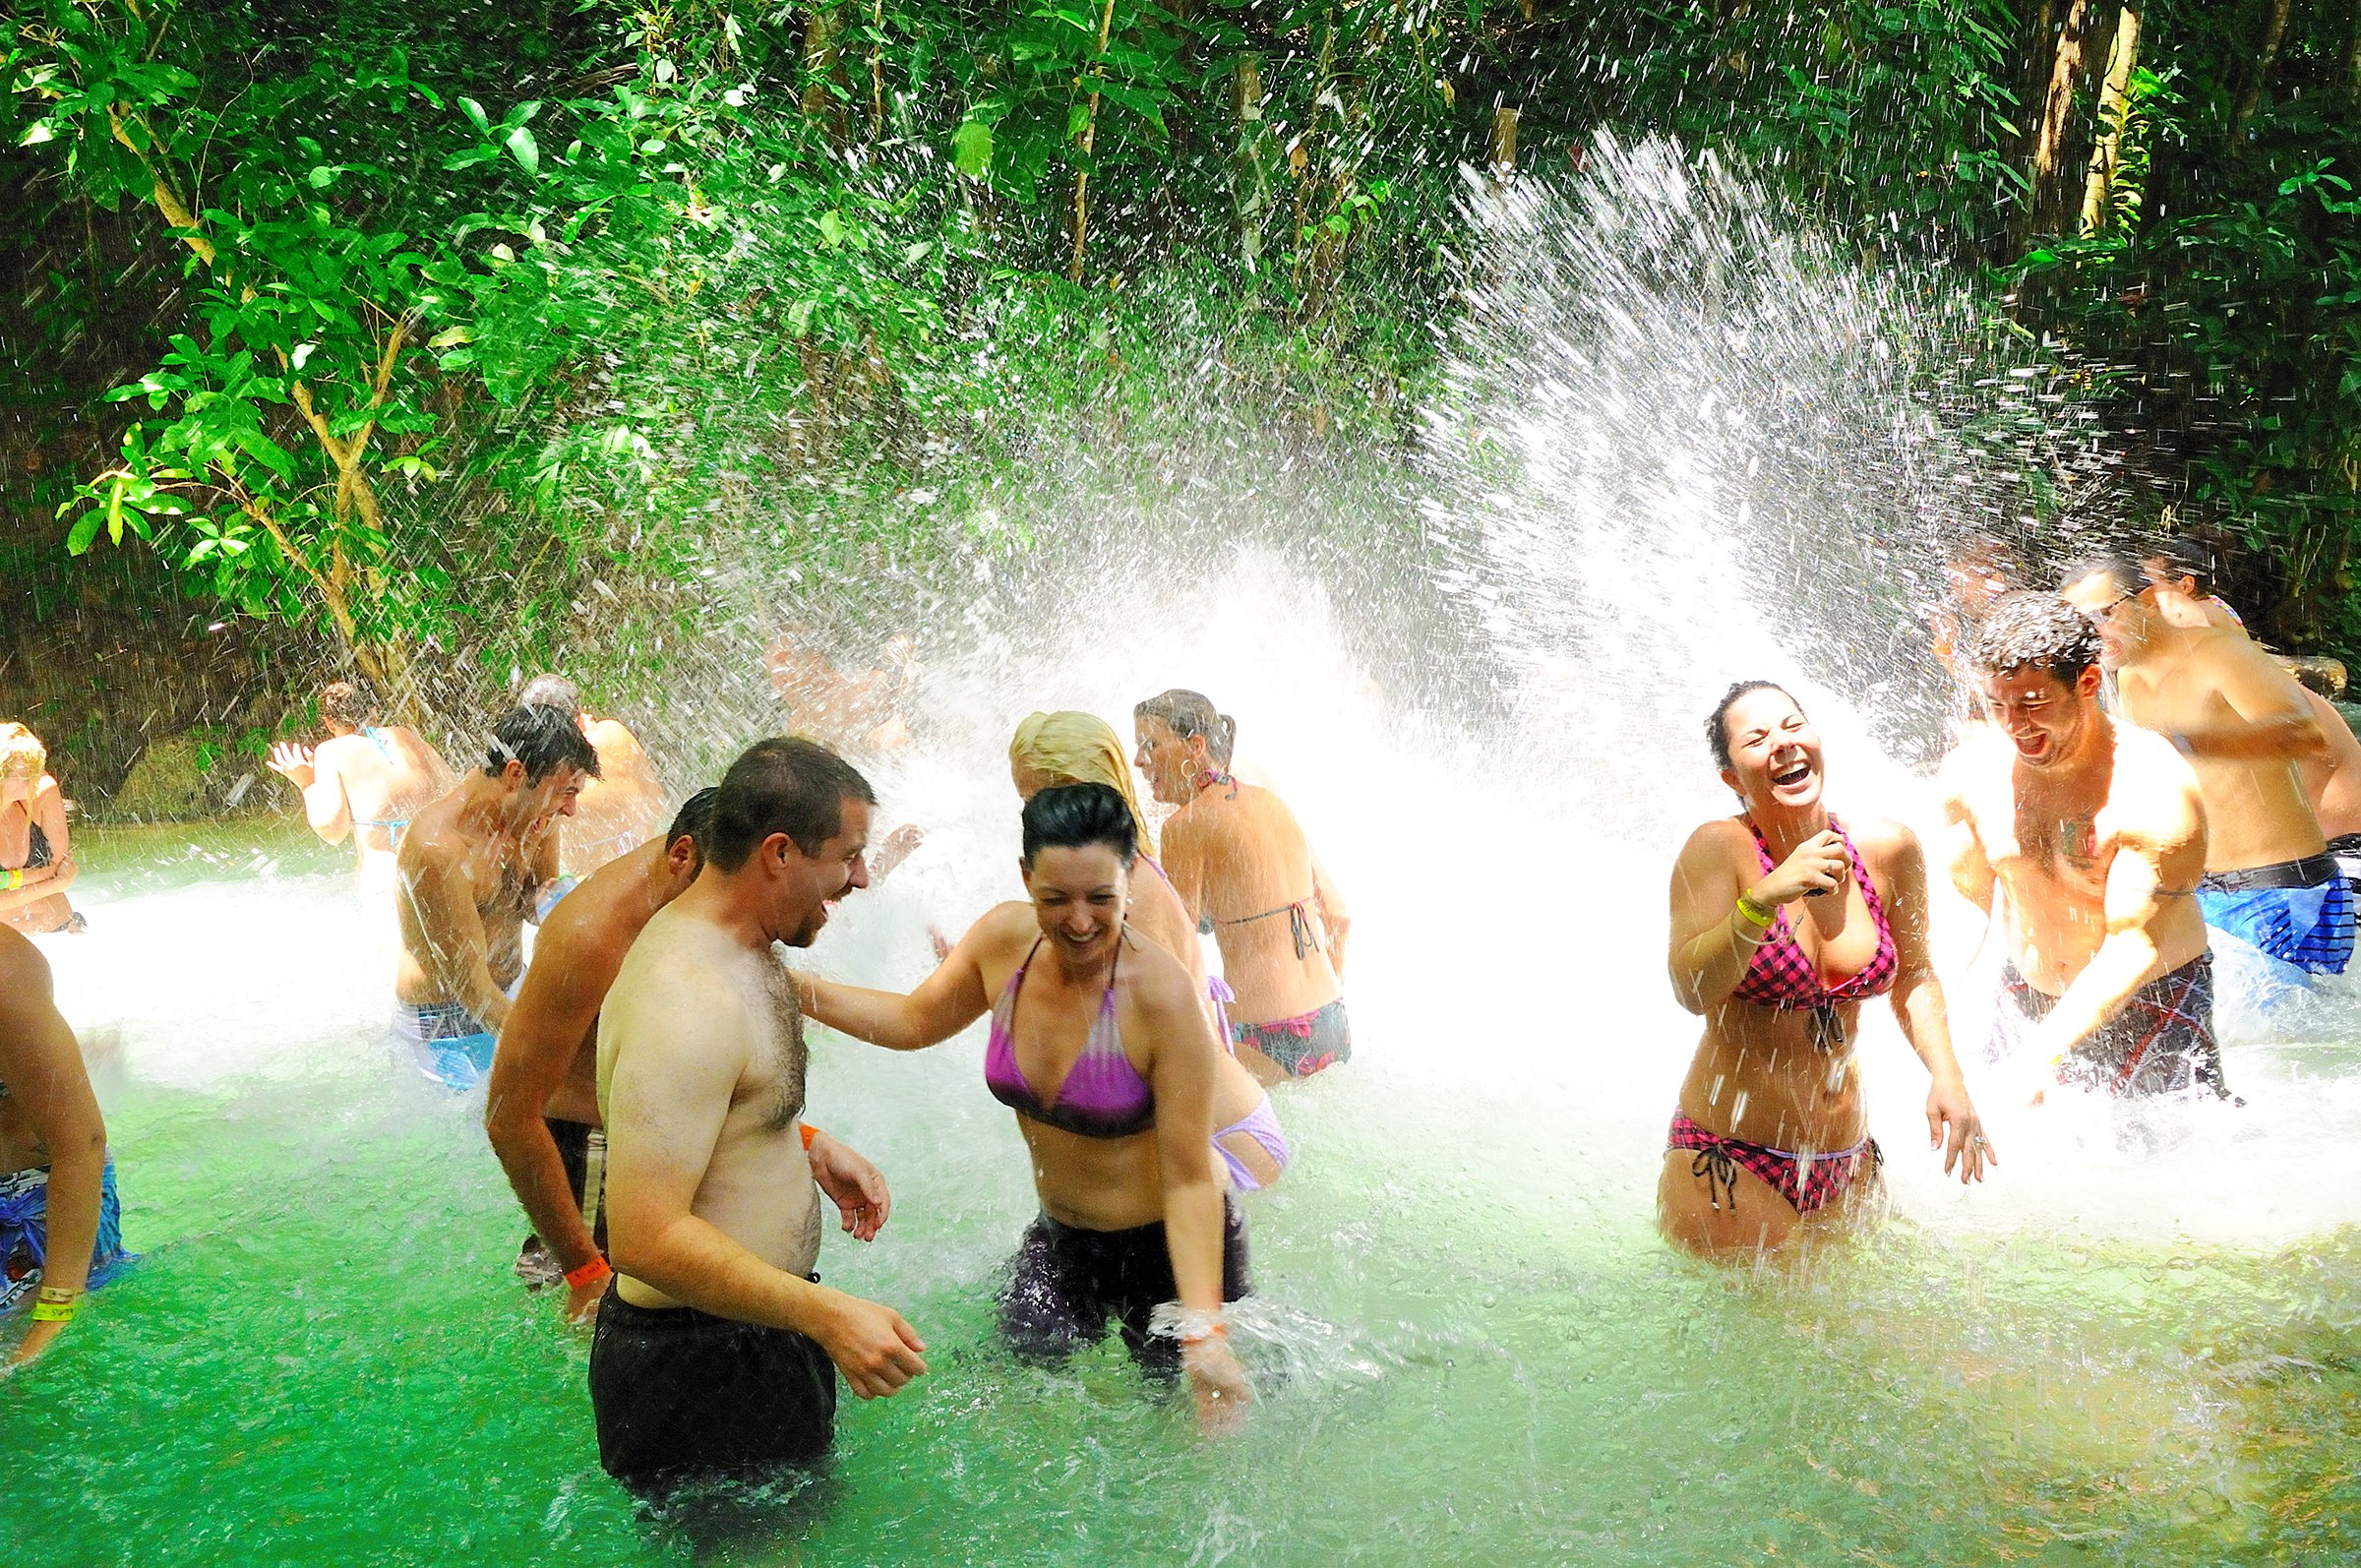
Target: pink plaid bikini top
x,y
1782,976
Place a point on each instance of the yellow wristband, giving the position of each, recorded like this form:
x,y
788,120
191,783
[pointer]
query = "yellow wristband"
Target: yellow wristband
x,y
1753,913
56,1311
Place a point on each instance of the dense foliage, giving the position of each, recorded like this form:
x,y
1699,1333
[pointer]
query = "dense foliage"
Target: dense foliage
x,y
414,321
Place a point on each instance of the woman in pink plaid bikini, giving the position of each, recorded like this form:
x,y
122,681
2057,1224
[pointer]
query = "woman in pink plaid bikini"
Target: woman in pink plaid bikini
x,y
1785,920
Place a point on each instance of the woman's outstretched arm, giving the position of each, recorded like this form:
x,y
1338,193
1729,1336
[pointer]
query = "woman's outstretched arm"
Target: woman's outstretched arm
x,y
945,1002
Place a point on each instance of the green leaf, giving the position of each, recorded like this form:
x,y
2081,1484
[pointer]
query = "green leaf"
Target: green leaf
x,y
475,113
526,151
84,533
971,149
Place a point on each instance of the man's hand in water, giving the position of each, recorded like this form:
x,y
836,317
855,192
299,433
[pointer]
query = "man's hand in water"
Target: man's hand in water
x,y
1219,1384
1953,1126
581,1302
875,1351
1818,866
856,1187
293,763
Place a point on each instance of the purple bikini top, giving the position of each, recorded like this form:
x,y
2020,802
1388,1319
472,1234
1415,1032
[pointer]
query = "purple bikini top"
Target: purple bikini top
x,y
1103,1096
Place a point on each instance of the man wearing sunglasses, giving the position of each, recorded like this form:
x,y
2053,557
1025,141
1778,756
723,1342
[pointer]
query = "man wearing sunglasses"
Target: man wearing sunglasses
x,y
2246,728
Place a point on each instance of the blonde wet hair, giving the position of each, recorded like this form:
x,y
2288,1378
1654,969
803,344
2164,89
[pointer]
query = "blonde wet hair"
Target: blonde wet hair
x,y
22,754
1078,748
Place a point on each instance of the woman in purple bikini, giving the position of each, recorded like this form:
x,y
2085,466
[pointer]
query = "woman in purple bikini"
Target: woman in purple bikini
x,y
1244,870
1052,748
1784,923
1101,1045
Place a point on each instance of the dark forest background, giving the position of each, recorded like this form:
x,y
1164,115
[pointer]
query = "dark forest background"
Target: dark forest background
x,y
382,335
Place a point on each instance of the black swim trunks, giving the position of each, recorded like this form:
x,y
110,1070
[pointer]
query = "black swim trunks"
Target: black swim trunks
x,y
2159,1042
683,1396
1064,1284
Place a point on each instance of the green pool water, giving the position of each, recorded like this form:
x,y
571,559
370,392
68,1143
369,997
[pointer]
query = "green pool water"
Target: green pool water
x,y
1471,1345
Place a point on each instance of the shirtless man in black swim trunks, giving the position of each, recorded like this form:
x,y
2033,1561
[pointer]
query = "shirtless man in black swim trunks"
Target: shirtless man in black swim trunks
x,y
2095,833
714,1346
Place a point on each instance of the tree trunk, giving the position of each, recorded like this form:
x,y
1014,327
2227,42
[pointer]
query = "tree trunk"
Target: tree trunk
x,y
823,60
2352,62
1087,140
876,71
2266,61
2082,43
2352,81
1251,181
1503,152
2114,101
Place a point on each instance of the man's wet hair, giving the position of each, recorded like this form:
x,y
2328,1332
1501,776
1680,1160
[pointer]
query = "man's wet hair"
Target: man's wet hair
x,y
1717,723
2184,557
1074,815
346,702
783,785
2030,630
551,691
544,740
2117,567
695,819
1190,713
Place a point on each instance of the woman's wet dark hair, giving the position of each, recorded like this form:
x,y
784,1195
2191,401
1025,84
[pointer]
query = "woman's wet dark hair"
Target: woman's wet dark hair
x,y
1075,816
1190,713
1716,727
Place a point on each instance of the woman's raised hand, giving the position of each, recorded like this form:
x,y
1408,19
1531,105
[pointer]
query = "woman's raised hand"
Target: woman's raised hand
x,y
1819,865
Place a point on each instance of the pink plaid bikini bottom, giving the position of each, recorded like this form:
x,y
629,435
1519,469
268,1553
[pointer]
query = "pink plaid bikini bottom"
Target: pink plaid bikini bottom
x,y
1807,1181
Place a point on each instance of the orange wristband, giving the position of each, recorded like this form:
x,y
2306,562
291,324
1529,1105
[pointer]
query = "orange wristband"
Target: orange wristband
x,y
1204,1334
595,1272
810,1132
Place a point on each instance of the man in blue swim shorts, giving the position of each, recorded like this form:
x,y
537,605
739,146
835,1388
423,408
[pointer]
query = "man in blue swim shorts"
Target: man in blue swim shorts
x,y
471,869
60,1225
2246,728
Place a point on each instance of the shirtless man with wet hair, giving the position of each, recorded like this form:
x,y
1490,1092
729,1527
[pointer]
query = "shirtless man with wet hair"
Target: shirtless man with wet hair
x,y
619,810
713,1356
2245,726
541,1111
2096,834
472,866
366,779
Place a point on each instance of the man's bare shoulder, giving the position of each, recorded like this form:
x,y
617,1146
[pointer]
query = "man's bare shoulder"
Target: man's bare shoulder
x,y
437,839
680,963
591,927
